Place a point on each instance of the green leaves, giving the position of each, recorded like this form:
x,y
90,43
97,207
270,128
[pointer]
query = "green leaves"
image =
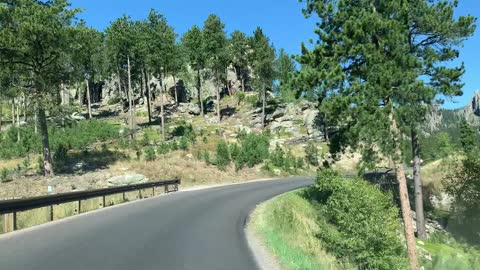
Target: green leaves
x,y
262,60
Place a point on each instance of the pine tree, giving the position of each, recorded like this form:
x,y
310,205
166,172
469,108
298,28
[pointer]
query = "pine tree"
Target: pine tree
x,y
371,59
239,55
215,48
262,59
40,61
284,71
192,41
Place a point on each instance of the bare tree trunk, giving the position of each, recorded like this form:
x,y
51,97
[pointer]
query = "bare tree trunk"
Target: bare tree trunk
x,y
89,100
243,84
18,121
25,108
175,89
35,121
404,199
13,112
149,105
119,83
1,113
162,113
199,89
130,100
264,104
47,156
421,230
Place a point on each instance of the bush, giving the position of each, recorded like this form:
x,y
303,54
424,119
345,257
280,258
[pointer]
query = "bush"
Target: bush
x,y
253,150
163,149
186,131
278,157
150,154
311,154
4,175
361,222
222,158
206,157
184,144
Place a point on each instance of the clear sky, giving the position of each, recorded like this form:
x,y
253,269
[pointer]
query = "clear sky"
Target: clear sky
x,y
281,20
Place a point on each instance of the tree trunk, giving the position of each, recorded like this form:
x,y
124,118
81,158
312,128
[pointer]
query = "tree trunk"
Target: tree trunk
x,y
89,100
243,84
149,105
175,89
162,118
13,112
421,230
1,113
47,156
219,113
25,108
119,83
35,121
404,198
18,121
199,89
264,94
130,100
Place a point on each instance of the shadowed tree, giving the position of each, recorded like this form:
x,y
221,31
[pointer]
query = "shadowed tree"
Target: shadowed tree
x,y
372,59
285,70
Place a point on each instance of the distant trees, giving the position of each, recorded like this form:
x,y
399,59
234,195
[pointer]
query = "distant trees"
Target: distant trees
x,y
239,51
285,70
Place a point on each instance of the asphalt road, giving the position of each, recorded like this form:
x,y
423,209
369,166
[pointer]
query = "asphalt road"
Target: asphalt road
x,y
198,230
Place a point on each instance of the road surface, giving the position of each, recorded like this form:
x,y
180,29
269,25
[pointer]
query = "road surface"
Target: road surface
x,y
197,230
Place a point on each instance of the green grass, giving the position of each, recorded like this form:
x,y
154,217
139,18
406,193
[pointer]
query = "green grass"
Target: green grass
x,y
288,227
448,254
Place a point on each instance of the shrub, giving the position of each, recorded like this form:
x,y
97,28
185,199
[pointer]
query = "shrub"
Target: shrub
x,y
150,154
311,154
234,151
278,157
163,149
185,130
222,158
362,222
184,144
206,157
4,175
241,97
198,154
253,150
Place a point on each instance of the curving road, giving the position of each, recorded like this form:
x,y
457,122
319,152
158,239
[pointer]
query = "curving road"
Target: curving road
x,y
198,230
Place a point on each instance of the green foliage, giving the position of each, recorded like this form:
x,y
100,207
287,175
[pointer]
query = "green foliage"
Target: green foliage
x,y
262,59
163,148
277,157
468,137
284,70
222,157
311,154
462,182
76,136
362,222
206,157
253,150
4,175
150,154
184,144
185,130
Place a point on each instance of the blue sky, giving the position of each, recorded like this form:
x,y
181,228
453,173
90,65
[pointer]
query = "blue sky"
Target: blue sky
x,y
281,20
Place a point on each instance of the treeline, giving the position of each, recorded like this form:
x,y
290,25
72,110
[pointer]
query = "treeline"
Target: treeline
x,y
43,48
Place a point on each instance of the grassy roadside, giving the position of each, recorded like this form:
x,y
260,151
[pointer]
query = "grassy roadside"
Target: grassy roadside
x,y
287,226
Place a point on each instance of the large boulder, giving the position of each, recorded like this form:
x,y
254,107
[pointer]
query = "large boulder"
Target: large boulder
x,y
188,108
125,180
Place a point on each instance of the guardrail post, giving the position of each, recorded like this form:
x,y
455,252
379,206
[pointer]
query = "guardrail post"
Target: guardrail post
x,y
176,187
153,191
7,223
166,189
104,202
124,199
51,212
79,206
15,221
140,194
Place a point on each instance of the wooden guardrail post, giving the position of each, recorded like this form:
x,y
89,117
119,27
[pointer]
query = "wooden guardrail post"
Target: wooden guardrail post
x,y
153,191
7,223
79,206
166,189
104,202
51,213
14,215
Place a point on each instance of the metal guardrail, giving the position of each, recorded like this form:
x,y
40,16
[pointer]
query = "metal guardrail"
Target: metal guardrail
x,y
19,205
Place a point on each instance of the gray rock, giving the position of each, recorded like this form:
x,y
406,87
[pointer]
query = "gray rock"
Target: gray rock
x,y
188,108
76,116
309,117
128,179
